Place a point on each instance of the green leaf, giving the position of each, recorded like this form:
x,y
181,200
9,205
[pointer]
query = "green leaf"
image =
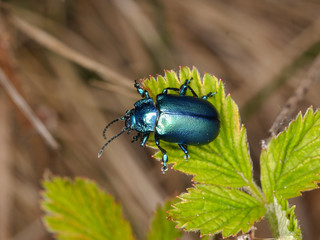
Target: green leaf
x,y
80,210
282,220
161,228
225,161
213,209
291,163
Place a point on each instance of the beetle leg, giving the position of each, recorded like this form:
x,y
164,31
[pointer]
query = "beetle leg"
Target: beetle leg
x,y
144,139
143,93
184,87
164,153
165,91
136,138
185,150
210,94
193,92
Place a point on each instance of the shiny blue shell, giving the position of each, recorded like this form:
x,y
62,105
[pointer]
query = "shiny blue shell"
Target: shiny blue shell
x,y
186,120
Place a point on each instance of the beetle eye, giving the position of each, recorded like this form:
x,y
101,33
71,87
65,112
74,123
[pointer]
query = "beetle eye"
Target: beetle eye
x,y
128,122
130,119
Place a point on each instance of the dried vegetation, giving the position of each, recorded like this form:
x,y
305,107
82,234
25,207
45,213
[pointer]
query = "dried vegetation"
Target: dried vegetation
x,y
67,69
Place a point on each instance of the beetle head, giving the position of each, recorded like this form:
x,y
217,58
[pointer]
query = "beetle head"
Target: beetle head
x,y
130,119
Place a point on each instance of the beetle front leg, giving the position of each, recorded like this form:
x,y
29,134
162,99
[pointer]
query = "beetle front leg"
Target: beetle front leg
x,y
143,93
136,138
164,153
144,139
184,148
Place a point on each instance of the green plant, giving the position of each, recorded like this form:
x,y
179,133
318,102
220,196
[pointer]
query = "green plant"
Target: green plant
x,y
225,197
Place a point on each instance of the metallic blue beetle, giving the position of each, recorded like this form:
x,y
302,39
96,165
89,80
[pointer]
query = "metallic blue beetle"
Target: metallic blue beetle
x,y
181,119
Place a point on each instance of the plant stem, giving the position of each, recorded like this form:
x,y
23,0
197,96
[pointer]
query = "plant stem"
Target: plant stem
x,y
282,221
272,220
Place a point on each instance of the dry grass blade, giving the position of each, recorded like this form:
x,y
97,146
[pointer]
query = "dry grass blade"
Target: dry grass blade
x,y
59,47
144,28
26,109
294,56
113,88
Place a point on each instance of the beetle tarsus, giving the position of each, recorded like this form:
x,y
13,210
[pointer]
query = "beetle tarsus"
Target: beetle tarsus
x,y
164,162
164,169
184,148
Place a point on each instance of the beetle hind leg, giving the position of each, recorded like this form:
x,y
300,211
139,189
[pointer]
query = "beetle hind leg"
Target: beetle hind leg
x,y
164,154
184,148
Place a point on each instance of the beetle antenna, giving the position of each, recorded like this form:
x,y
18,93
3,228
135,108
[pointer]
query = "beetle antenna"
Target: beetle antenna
x,y
111,139
112,122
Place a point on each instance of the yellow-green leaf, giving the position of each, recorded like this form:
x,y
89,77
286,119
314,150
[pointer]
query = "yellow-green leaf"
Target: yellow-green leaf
x,y
80,210
291,163
214,209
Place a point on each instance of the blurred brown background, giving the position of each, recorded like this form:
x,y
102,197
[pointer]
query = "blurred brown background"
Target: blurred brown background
x,y
74,62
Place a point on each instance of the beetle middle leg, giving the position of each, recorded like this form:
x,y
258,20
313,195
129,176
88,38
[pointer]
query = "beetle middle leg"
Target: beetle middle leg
x,y
164,153
210,94
165,91
184,148
184,87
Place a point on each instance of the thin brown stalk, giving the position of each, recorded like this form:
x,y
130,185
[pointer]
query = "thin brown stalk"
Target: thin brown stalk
x,y
6,180
289,108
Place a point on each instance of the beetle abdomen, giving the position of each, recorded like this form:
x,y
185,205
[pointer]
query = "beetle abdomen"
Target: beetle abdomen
x,y
186,120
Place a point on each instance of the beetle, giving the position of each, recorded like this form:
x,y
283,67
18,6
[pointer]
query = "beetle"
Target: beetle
x,y
181,119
